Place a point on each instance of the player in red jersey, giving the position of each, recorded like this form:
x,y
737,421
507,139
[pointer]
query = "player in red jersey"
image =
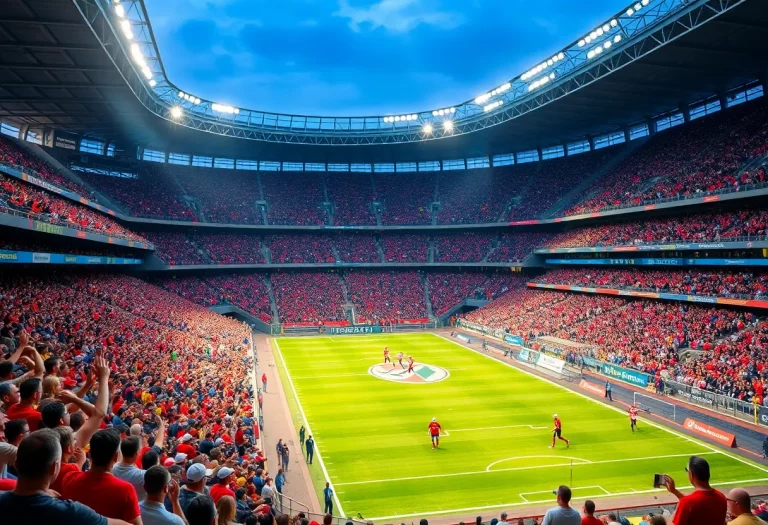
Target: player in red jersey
x,y
633,417
410,363
434,432
386,355
557,433
400,357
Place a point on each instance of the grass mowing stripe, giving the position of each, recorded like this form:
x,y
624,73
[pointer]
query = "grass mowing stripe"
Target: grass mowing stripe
x,y
497,420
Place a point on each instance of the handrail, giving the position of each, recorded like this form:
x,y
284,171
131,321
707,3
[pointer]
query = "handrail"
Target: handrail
x,y
638,242
657,290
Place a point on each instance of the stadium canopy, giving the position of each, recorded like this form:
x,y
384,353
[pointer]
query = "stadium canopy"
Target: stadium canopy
x,y
69,65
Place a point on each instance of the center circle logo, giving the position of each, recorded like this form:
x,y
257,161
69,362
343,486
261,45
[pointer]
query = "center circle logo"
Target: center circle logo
x,y
422,373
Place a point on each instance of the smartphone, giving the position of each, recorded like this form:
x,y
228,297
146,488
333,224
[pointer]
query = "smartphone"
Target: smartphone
x,y
658,481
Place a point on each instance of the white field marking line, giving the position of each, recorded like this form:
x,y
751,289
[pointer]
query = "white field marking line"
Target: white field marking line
x,y
514,469
615,409
572,489
488,468
309,430
549,500
330,376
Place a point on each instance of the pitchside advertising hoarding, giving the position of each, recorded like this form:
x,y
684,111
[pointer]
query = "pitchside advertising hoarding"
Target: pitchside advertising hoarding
x,y
715,434
354,330
550,363
514,340
632,377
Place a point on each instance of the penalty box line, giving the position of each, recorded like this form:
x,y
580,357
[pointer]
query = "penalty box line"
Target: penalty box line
x,y
572,488
583,462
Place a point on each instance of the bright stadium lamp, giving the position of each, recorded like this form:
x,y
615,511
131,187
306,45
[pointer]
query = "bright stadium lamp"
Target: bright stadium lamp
x,y
427,129
120,10
176,112
152,83
448,126
614,22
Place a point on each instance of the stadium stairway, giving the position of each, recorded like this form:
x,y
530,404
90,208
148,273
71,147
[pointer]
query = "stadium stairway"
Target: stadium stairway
x,y
377,240
272,300
431,251
494,245
335,253
202,251
568,198
427,300
266,252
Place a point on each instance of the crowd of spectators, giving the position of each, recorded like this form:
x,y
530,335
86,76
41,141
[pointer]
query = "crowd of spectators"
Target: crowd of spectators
x,y
386,296
124,392
231,248
294,198
715,283
463,247
152,194
12,154
514,247
356,247
175,248
446,290
405,198
352,196
190,287
226,196
687,161
308,297
300,248
46,207
405,247
692,228
247,291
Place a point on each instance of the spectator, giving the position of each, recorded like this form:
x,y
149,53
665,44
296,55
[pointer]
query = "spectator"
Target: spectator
x,y
30,392
589,514
99,488
563,514
226,511
221,488
705,505
740,508
195,485
158,485
201,511
38,462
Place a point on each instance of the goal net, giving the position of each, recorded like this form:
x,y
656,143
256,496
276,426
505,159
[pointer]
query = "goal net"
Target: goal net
x,y
654,405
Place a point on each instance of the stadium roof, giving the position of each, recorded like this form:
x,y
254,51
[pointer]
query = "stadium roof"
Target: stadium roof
x,y
60,70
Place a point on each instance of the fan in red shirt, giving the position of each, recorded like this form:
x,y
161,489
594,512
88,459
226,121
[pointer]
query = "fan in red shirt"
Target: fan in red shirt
x,y
434,432
185,447
30,392
98,488
703,506
557,433
221,488
633,417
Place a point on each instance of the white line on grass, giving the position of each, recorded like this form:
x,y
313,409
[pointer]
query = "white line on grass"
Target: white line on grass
x,y
488,468
651,423
331,376
513,469
309,430
497,428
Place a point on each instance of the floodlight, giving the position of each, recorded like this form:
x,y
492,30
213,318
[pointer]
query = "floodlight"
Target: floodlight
x,y
590,54
638,6
181,94
176,112
125,25
427,129
581,43
646,2
453,110
593,35
607,44
617,39
630,12
434,113
120,10
606,27
397,118
560,55
441,112
147,73
588,39
599,31
549,62
614,23
152,83
137,55
552,76
448,125
197,101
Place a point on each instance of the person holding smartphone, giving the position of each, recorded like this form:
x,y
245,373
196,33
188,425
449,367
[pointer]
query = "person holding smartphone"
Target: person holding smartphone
x,y
705,505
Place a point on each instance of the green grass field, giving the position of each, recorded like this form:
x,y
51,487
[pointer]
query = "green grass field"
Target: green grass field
x,y
374,446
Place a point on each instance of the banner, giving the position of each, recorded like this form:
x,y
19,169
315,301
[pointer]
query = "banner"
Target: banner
x,y
550,363
522,355
462,337
594,389
514,340
354,330
12,256
632,377
762,415
715,434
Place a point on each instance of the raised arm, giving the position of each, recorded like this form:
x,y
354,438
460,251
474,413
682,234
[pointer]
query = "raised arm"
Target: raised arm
x,y
90,427
33,354
160,437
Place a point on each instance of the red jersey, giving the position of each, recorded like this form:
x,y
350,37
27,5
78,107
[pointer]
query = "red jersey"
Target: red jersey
x,y
103,492
33,417
558,424
434,428
632,413
386,353
701,507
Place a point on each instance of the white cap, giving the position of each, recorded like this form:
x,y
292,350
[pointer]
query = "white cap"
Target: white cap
x,y
180,457
434,420
187,438
555,415
224,473
218,442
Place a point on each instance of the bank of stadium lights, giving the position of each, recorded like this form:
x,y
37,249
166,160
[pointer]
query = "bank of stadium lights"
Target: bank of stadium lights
x,y
401,118
427,129
492,105
637,7
176,112
448,126
443,112
541,67
224,108
605,46
189,98
540,82
482,99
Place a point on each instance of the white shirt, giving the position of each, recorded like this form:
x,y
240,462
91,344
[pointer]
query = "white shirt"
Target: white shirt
x,y
133,475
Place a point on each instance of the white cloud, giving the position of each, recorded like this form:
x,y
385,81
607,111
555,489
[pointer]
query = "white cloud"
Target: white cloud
x,y
398,15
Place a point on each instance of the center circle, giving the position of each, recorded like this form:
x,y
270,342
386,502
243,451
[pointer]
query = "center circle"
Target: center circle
x,y
422,373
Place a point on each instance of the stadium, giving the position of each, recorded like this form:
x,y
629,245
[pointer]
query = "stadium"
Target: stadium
x,y
545,302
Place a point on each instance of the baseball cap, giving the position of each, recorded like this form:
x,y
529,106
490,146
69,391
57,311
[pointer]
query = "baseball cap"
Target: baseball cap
x,y
555,415
434,420
224,473
169,462
197,471
218,442
180,457
186,438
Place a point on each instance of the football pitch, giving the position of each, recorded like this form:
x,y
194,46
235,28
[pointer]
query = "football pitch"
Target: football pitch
x,y
370,426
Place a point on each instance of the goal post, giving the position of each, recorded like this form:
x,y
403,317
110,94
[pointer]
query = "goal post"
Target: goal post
x,y
654,405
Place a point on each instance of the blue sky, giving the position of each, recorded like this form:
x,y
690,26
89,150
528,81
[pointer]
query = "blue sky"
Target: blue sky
x,y
360,57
